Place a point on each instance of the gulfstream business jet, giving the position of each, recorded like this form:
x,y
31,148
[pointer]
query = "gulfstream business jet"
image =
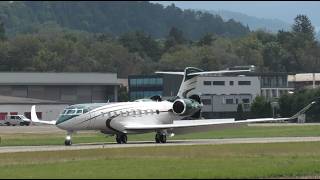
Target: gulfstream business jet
x,y
164,117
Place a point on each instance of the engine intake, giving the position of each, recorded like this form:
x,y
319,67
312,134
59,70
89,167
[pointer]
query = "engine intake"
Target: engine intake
x,y
186,107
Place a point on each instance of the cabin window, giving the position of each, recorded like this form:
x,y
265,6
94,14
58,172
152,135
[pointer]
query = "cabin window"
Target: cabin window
x,y
218,83
207,83
244,82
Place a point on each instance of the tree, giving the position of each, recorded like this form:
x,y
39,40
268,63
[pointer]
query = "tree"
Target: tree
x,y
123,95
2,31
260,108
175,37
206,40
240,113
302,27
292,103
273,57
144,44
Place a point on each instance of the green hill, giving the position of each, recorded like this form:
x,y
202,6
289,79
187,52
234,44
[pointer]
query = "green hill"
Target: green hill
x,y
114,18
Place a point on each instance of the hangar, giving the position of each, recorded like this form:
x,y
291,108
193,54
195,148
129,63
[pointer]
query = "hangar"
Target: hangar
x,y
19,91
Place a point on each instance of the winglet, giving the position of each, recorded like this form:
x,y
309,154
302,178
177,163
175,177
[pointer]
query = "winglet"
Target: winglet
x,y
34,117
302,111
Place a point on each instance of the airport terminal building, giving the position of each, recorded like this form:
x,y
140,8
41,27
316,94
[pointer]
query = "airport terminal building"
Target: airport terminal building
x,y
52,92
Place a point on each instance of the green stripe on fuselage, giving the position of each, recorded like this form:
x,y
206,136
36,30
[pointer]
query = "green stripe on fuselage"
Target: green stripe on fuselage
x,y
86,108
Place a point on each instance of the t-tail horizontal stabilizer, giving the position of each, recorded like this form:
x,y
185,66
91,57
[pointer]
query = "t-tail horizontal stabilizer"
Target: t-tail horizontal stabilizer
x,y
190,78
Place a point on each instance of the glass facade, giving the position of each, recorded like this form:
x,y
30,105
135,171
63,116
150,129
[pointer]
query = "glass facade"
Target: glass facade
x,y
274,81
139,82
145,86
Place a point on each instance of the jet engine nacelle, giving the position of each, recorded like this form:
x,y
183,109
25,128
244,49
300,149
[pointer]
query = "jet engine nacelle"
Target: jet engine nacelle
x,y
186,107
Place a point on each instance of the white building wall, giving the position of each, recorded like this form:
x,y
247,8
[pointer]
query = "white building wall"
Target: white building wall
x,y
49,112
219,93
228,89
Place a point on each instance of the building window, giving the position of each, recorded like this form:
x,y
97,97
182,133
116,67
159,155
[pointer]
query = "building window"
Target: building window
x,y
274,93
206,101
159,81
229,101
246,101
231,83
244,83
139,82
218,83
207,83
133,82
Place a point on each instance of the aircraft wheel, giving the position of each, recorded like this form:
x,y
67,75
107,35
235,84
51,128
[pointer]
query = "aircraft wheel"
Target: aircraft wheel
x,y
118,139
157,138
163,138
68,142
122,139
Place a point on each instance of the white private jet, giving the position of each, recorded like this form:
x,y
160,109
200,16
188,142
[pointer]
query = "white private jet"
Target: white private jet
x,y
164,117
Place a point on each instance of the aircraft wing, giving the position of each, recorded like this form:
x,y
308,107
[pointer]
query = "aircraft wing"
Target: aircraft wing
x,y
198,125
181,126
34,118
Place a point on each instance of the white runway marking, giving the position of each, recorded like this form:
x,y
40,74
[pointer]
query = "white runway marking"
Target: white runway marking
x,y
13,149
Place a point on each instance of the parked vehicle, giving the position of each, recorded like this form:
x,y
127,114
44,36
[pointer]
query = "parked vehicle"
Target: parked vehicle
x,y
13,120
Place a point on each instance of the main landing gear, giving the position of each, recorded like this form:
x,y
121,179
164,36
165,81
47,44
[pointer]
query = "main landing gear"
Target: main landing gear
x,y
68,141
161,137
121,138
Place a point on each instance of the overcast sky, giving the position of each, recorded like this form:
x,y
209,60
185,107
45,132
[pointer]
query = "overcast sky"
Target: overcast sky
x,y
283,10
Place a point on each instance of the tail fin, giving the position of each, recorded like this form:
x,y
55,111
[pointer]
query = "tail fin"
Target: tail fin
x,y
189,81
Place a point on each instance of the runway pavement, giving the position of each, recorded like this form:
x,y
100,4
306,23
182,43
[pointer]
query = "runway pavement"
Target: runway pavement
x,y
13,149
53,129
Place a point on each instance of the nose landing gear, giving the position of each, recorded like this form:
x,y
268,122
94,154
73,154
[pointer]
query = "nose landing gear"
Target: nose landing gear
x,y
68,140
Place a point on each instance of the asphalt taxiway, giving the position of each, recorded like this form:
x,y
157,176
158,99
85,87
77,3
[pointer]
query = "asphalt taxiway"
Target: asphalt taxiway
x,y
13,149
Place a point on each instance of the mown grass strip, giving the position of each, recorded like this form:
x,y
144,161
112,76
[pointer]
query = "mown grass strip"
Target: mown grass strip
x,y
242,132
205,161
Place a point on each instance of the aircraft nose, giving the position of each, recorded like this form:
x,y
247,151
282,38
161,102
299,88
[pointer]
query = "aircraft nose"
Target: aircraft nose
x,y
62,121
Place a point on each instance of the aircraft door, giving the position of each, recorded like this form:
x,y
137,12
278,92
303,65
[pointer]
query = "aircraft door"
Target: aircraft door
x,y
94,117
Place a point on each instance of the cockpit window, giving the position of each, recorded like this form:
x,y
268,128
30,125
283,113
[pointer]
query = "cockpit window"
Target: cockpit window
x,y
71,112
74,111
79,111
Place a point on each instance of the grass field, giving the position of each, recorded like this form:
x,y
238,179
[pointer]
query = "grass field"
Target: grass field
x,y
204,161
242,132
